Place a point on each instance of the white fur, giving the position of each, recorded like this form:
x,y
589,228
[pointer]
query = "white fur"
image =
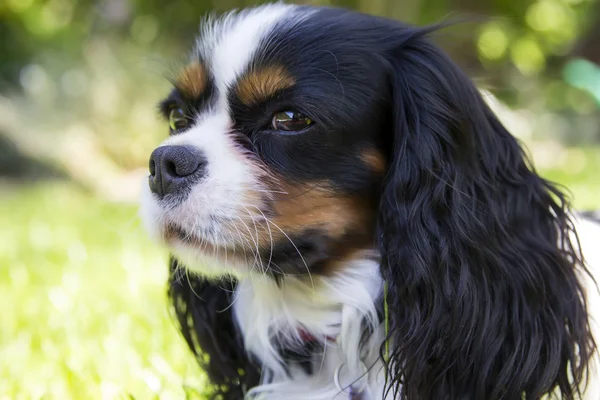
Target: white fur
x,y
327,307
589,236
332,307
230,43
219,195
227,47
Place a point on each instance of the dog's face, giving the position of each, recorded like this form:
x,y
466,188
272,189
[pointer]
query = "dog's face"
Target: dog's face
x,y
276,147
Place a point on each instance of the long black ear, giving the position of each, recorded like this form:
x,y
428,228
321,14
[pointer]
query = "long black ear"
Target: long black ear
x,y
203,311
477,249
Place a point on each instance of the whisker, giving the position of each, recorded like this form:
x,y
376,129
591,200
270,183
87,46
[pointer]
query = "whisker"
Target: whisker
x,y
295,247
265,271
187,275
257,253
270,235
241,238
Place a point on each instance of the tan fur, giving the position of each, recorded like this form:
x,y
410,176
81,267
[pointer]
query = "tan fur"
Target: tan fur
x,y
317,206
192,80
374,160
300,208
258,85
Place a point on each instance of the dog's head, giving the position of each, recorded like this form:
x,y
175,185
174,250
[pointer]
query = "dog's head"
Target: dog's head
x,y
301,137
279,141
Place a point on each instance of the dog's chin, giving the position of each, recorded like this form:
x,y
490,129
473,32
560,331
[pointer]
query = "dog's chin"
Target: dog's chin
x,y
173,234
200,255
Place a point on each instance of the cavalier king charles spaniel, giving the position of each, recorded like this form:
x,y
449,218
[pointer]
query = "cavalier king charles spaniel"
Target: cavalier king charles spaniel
x,y
348,219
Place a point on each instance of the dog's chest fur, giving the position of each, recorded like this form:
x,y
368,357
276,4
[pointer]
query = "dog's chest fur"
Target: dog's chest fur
x,y
341,314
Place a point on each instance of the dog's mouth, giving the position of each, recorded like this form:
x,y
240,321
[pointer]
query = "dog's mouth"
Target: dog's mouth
x,y
175,233
175,236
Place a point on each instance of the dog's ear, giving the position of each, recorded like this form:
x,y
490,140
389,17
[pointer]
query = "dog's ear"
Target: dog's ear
x,y
478,250
203,311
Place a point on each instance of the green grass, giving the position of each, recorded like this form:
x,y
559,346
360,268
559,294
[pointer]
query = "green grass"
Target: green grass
x,y
83,302
83,295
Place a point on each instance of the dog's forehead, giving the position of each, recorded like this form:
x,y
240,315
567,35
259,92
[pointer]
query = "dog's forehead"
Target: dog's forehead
x,y
320,54
322,44
228,45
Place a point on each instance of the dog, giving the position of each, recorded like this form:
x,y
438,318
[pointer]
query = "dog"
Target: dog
x,y
348,219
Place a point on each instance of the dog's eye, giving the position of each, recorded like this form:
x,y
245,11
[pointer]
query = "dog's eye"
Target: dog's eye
x,y
290,121
177,119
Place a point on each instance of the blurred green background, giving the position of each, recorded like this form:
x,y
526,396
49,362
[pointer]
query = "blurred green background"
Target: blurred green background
x,y
82,290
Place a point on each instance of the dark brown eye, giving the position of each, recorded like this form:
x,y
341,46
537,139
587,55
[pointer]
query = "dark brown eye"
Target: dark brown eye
x,y
177,119
290,121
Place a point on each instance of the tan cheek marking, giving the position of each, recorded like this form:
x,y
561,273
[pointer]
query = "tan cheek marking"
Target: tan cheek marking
x,y
333,215
192,80
316,208
374,160
347,223
302,208
258,85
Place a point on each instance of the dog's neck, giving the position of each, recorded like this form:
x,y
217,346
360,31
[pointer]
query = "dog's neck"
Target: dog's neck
x,y
334,312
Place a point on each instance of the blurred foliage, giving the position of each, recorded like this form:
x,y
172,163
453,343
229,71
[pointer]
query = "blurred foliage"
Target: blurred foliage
x,y
81,78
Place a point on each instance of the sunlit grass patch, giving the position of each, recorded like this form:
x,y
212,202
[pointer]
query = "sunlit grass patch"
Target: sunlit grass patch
x,y
83,302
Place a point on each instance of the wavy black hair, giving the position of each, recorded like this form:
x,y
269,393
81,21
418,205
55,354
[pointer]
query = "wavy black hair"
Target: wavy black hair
x,y
203,311
478,251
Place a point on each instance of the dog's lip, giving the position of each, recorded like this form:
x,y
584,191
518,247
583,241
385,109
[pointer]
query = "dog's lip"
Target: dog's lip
x,y
178,239
173,234
172,231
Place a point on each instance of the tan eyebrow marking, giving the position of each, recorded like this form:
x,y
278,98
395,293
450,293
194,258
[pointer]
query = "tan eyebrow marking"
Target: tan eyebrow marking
x,y
258,85
191,80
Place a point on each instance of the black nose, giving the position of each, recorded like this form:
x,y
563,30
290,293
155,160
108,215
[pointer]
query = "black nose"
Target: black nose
x,y
175,168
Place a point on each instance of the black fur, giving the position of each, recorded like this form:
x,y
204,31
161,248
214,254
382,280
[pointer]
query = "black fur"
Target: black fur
x,y
204,314
476,249
483,297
